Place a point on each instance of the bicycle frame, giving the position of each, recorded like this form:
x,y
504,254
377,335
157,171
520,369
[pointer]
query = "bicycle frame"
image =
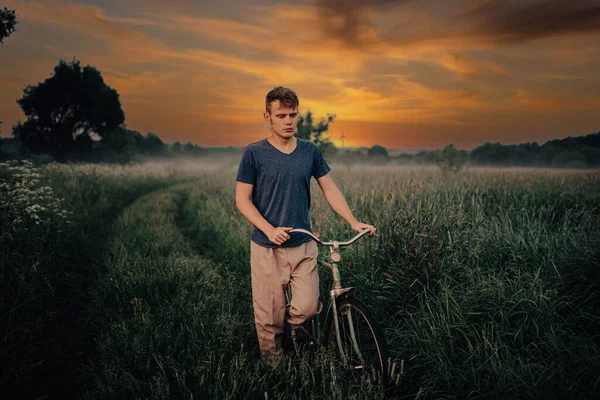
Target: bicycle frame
x,y
336,291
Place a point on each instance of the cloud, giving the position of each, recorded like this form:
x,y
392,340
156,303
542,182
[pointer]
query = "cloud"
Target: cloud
x,y
478,24
537,103
515,21
296,40
113,43
467,68
352,22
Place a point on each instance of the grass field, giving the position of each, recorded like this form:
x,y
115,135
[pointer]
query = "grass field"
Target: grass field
x,y
137,283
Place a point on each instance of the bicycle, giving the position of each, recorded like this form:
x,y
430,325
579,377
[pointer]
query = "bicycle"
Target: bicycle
x,y
351,329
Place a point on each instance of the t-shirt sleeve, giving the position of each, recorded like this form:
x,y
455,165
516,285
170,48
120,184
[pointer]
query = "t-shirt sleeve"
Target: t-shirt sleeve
x,y
320,167
247,170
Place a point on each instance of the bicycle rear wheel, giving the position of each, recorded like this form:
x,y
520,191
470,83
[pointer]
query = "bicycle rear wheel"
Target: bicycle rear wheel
x,y
363,348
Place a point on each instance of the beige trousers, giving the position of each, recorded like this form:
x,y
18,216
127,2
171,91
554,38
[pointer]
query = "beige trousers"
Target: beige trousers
x,y
271,269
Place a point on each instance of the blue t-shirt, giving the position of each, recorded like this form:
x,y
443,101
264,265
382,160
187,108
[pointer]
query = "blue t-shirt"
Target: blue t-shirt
x,y
281,191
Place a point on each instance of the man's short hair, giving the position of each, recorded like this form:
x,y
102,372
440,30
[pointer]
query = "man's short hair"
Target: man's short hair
x,y
285,96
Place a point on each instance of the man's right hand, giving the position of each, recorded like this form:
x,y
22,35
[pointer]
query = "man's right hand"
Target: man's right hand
x,y
278,235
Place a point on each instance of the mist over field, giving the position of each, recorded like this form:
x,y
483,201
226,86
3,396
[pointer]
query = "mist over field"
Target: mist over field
x,y
133,281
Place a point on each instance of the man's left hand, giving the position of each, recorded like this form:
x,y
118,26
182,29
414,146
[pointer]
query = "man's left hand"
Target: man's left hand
x,y
359,227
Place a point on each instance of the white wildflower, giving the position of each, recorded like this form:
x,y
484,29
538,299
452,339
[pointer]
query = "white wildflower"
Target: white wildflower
x,y
23,199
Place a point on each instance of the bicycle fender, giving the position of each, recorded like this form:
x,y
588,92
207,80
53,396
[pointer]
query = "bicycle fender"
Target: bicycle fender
x,y
339,294
342,292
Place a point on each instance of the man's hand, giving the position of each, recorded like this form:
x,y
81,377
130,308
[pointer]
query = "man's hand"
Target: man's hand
x,y
359,227
278,235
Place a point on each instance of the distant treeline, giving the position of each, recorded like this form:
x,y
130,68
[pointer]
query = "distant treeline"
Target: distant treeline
x,y
121,146
570,152
125,145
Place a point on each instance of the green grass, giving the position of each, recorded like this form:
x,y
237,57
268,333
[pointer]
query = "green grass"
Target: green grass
x,y
47,274
487,285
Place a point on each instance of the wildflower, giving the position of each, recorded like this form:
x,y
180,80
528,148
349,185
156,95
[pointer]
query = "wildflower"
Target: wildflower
x,y
23,199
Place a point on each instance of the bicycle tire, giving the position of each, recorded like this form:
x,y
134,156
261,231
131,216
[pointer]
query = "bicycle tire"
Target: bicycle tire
x,y
372,346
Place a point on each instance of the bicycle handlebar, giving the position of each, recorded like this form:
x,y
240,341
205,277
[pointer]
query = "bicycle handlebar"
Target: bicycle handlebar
x,y
331,242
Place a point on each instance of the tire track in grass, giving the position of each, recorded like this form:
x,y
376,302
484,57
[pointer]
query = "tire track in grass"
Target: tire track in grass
x,y
166,315
238,293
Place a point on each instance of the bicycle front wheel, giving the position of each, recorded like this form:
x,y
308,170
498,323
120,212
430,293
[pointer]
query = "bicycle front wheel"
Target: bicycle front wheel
x,y
362,349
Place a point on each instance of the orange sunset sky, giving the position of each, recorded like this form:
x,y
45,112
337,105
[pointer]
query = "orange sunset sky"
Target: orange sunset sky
x,y
403,74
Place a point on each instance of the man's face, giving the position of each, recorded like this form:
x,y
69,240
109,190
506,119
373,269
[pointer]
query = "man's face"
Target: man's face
x,y
282,120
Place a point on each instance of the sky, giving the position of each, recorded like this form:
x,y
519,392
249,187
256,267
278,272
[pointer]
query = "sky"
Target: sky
x,y
398,73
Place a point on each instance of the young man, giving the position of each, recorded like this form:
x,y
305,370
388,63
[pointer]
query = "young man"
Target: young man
x,y
273,193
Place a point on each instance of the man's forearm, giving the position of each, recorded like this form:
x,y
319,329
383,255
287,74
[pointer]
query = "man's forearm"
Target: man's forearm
x,y
251,213
336,200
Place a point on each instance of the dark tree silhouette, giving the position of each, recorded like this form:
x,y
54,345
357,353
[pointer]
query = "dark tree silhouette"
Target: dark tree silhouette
x,y
377,151
120,145
579,151
451,159
176,149
8,20
315,133
66,108
192,149
153,145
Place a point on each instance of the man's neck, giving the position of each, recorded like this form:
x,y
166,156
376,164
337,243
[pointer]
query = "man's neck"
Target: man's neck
x,y
281,143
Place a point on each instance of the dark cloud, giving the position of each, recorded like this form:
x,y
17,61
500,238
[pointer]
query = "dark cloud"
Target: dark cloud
x,y
345,20
495,21
519,21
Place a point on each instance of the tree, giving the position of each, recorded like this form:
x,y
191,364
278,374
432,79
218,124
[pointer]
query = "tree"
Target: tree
x,y
489,154
450,159
192,149
198,151
188,148
591,155
8,20
176,149
316,134
378,151
66,108
120,145
569,159
152,145
427,156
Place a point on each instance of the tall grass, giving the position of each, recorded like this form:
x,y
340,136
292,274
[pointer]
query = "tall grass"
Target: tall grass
x,y
487,283
49,265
